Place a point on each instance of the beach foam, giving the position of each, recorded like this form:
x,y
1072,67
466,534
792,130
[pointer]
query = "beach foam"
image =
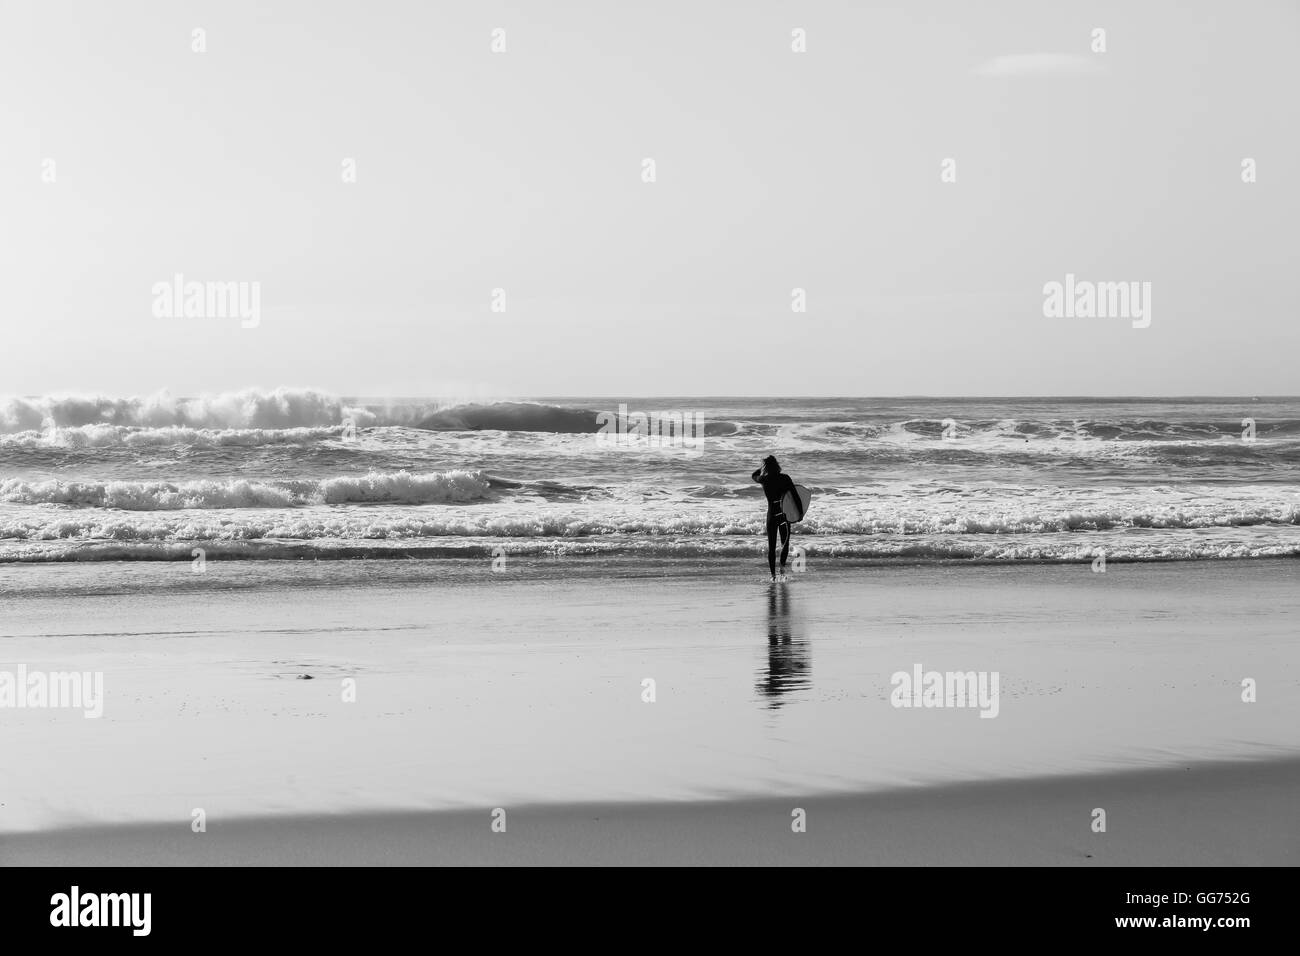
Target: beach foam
x,y
451,486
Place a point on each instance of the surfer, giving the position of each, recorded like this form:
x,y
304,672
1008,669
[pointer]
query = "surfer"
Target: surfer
x,y
776,484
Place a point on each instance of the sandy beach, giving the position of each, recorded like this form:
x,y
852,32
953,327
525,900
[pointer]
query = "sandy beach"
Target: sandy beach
x,y
525,689
1218,814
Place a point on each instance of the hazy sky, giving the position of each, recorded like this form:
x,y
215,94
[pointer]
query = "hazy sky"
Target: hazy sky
x,y
522,170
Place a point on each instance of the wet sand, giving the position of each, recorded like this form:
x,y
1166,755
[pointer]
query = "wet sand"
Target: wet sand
x,y
527,689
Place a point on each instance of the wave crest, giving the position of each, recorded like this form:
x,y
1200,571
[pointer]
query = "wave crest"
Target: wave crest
x,y
512,416
280,408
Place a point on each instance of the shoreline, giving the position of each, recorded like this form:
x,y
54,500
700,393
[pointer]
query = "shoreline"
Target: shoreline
x,y
735,549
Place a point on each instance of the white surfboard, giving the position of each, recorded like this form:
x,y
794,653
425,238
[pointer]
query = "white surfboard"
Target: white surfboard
x,y
796,509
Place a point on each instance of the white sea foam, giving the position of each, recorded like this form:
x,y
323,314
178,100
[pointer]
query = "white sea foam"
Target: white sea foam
x,y
402,486
251,408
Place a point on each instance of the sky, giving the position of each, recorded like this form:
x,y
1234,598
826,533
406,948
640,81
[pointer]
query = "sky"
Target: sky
x,y
128,157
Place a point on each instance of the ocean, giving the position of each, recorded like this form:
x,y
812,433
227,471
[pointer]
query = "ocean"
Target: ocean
x,y
297,473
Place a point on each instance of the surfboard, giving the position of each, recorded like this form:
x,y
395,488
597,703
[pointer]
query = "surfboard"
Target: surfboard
x,y
794,508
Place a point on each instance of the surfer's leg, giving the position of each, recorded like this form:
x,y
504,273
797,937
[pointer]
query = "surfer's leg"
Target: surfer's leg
x,y
771,544
785,543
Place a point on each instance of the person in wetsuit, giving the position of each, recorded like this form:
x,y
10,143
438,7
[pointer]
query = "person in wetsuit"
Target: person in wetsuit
x,y
775,485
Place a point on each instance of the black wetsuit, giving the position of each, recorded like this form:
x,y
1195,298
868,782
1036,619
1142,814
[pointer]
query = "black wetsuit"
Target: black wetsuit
x,y
775,488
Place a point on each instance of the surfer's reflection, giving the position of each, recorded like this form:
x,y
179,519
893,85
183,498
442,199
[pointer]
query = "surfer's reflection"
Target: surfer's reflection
x,y
789,656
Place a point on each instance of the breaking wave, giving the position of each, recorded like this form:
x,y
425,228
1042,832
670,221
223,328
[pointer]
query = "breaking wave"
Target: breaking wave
x,y
74,437
512,416
287,415
375,487
277,409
